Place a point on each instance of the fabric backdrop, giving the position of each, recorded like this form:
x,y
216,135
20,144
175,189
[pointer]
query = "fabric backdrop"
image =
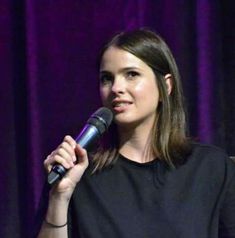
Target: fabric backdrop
x,y
49,81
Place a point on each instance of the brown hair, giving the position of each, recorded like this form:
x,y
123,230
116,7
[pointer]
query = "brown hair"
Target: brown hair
x,y
168,137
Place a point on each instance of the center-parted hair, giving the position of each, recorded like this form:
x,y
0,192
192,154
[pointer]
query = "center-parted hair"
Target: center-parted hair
x,y
168,137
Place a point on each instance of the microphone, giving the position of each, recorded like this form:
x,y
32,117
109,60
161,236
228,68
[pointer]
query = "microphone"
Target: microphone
x,y
96,125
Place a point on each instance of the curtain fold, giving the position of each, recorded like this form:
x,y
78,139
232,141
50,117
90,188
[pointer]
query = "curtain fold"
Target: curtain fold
x,y
49,80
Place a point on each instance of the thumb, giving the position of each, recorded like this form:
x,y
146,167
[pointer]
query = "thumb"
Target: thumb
x,y
82,157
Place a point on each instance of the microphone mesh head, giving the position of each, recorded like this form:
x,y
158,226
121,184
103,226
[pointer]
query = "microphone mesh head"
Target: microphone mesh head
x,y
101,119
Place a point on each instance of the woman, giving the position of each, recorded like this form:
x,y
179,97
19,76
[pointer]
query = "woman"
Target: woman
x,y
147,179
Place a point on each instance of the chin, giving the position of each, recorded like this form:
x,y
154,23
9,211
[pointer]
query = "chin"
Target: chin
x,y
124,121
122,118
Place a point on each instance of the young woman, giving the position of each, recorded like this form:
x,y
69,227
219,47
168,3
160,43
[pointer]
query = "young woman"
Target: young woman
x,y
146,180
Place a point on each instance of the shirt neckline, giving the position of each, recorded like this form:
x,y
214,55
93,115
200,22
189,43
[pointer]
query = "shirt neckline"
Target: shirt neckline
x,y
135,163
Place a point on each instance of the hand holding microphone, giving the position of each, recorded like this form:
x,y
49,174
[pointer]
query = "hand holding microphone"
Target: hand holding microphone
x,y
65,155
61,162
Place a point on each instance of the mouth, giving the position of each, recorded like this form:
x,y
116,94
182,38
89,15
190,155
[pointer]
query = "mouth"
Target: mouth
x,y
120,106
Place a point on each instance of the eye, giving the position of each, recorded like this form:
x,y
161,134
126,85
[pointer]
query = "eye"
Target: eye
x,y
106,78
132,74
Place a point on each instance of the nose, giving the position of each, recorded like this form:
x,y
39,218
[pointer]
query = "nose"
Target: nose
x,y
118,85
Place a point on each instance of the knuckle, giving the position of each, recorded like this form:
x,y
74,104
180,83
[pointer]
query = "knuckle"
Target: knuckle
x,y
57,158
63,144
70,141
60,150
67,138
67,156
45,163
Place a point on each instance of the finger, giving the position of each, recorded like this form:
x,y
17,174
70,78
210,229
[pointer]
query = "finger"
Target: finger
x,y
77,171
68,149
65,155
61,160
81,155
47,163
70,141
58,156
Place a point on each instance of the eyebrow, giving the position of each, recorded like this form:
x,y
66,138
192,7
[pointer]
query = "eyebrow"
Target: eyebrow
x,y
121,70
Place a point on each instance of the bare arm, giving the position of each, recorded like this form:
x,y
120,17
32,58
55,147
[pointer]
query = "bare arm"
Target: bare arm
x,y
66,154
57,215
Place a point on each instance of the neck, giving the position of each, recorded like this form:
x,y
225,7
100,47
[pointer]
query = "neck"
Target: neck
x,y
135,143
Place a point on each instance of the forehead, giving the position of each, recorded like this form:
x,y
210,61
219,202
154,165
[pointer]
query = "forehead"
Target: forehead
x,y
114,57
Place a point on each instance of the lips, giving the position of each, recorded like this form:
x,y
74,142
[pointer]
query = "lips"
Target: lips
x,y
117,103
120,105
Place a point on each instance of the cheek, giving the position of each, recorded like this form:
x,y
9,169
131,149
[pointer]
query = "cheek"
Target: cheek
x,y
147,90
148,96
104,94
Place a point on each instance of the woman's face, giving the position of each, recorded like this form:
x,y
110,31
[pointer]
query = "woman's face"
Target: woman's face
x,y
128,87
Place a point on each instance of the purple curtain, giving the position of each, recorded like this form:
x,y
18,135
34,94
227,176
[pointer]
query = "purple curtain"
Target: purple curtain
x,y
49,85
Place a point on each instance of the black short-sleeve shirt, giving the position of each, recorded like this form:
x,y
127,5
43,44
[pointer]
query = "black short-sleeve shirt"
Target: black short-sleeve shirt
x,y
149,200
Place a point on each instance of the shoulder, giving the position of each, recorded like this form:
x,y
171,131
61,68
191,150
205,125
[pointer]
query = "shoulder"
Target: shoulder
x,y
209,152
212,159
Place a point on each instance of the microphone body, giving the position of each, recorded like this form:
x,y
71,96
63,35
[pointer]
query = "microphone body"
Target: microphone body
x,y
96,125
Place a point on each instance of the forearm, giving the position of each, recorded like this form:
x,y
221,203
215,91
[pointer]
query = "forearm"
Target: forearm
x,y
56,214
66,154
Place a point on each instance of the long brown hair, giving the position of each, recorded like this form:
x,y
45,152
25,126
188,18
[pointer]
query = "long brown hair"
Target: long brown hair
x,y
168,136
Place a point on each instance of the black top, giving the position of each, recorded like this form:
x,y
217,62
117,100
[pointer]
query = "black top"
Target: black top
x,y
129,199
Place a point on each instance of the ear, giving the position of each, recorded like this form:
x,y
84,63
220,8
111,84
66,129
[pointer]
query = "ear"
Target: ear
x,y
169,83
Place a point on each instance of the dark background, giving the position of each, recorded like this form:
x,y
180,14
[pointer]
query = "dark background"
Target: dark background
x,y
49,80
